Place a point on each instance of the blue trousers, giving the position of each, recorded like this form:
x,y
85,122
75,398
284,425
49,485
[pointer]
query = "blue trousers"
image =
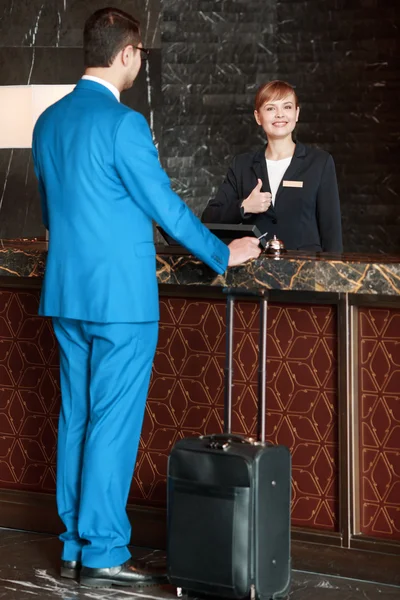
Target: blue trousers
x,y
105,371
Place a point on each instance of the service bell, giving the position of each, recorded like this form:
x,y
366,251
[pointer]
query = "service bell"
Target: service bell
x,y
275,246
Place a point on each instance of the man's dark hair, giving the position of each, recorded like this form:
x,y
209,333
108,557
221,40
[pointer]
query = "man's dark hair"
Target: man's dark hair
x,y
107,31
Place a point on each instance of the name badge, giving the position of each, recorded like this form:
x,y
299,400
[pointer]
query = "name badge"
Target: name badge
x,y
295,184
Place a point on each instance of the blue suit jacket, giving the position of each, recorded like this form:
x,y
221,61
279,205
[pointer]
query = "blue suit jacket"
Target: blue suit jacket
x,y
101,186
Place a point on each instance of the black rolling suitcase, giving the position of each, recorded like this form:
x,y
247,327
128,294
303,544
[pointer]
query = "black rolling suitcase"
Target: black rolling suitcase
x,y
229,504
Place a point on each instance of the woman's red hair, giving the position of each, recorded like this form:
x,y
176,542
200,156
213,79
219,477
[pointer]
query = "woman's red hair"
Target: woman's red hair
x,y
274,90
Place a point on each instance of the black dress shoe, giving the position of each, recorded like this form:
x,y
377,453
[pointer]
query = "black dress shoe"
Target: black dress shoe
x,y
123,575
70,569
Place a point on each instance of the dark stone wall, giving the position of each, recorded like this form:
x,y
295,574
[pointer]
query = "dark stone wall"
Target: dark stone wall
x,y
215,54
343,57
41,43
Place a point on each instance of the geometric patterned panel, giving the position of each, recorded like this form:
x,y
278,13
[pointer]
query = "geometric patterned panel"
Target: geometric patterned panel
x,y
379,424
186,395
29,394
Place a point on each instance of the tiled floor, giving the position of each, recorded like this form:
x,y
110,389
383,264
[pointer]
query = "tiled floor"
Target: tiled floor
x,y
29,569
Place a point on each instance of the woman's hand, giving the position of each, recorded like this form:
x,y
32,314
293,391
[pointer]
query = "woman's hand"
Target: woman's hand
x,y
258,201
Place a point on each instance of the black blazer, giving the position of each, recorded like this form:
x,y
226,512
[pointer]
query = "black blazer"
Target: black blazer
x,y
304,218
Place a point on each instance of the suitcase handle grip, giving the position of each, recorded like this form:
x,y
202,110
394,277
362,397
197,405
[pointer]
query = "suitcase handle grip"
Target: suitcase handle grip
x,y
222,440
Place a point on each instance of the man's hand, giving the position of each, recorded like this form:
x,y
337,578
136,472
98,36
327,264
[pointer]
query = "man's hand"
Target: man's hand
x,y
242,250
258,201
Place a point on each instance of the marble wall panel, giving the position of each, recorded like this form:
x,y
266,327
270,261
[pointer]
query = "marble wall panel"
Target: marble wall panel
x,y
341,55
57,23
20,214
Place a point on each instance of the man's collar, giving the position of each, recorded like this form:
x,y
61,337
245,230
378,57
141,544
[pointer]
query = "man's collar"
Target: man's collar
x,y
106,84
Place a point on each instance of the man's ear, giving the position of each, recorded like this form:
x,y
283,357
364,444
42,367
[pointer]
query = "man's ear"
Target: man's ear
x,y
126,55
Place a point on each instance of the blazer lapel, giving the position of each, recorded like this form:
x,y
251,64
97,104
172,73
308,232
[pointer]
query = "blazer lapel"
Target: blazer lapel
x,y
261,171
293,168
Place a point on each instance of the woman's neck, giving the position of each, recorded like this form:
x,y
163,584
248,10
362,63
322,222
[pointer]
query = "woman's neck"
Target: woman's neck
x,y
279,149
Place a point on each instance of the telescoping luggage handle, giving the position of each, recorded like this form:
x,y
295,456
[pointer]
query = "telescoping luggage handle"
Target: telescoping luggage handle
x,y
262,370
223,440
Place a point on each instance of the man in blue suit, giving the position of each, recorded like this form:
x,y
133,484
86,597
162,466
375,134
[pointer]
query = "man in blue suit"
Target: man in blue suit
x,y
101,186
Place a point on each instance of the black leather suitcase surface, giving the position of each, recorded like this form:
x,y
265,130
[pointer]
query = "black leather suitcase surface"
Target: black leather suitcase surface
x,y
229,504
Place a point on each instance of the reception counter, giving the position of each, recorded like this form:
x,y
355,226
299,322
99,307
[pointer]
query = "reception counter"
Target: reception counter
x,y
333,396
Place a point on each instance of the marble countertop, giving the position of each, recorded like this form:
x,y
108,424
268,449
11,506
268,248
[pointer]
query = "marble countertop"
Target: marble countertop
x,y
352,273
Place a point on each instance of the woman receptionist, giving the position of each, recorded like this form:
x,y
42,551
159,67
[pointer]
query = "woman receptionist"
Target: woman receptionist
x,y
286,188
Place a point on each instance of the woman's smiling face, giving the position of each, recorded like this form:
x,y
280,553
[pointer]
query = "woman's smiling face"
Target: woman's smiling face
x,y
278,118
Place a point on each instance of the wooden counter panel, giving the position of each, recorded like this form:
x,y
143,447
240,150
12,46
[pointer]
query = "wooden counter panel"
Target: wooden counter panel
x,y
379,421
186,395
